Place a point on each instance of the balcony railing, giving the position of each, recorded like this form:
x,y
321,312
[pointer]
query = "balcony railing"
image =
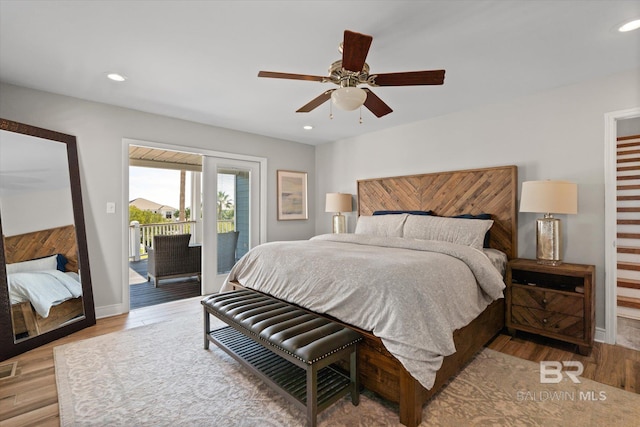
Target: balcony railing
x,y
227,225
141,235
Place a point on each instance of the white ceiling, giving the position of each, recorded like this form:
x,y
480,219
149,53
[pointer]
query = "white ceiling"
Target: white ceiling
x,y
199,60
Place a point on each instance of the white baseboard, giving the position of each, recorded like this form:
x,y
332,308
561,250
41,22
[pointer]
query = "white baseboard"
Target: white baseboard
x,y
631,313
109,310
600,334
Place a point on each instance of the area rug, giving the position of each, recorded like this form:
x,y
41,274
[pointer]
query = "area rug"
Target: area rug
x,y
160,375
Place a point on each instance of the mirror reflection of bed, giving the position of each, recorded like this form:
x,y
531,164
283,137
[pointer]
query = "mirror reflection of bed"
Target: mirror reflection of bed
x,y
39,235
44,282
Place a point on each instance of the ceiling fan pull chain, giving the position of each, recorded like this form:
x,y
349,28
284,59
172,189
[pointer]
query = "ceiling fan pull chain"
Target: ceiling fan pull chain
x,y
330,111
361,114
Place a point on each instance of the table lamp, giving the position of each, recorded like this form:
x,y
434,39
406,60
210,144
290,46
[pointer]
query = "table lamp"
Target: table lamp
x,y
338,203
549,197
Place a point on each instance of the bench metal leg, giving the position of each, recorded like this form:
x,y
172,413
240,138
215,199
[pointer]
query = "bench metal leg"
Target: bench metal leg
x,y
312,395
355,382
207,325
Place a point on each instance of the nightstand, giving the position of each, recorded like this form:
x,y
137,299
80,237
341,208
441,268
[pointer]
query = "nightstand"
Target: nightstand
x,y
552,301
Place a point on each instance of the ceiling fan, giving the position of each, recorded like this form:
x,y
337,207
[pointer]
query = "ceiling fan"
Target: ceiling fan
x,y
351,71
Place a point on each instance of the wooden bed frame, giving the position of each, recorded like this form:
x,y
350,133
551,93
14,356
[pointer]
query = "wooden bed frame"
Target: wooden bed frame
x,y
37,244
488,190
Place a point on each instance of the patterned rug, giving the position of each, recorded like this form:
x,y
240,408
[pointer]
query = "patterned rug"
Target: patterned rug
x,y
160,375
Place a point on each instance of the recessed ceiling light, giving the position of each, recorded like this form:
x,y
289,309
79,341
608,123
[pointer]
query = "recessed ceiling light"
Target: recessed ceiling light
x,y
630,26
116,77
307,127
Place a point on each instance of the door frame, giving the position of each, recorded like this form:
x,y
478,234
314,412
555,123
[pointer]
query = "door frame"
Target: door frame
x,y
610,215
124,201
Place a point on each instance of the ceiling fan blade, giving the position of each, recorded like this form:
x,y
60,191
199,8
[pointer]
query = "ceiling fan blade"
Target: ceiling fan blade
x,y
376,105
316,102
410,78
354,50
276,75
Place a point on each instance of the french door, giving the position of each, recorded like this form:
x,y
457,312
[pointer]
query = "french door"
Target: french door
x,y
231,215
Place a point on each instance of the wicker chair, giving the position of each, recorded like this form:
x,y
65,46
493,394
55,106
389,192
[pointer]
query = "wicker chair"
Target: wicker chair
x,y
227,244
171,256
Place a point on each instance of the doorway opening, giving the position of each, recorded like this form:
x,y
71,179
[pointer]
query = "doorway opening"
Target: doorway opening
x,y
221,195
164,222
628,233
623,229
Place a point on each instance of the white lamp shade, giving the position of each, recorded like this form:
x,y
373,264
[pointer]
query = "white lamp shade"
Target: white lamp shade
x,y
348,98
338,202
554,197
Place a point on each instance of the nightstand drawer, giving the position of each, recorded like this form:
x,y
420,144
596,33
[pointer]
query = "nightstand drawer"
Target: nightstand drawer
x,y
554,322
547,300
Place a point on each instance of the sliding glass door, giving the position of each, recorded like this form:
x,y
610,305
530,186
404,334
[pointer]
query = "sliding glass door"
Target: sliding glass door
x,y
231,215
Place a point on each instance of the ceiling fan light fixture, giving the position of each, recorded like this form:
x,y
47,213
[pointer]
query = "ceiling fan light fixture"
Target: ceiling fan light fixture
x,y
348,98
630,26
116,77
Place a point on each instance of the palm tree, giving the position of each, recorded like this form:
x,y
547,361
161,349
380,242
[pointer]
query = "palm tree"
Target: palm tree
x,y
224,202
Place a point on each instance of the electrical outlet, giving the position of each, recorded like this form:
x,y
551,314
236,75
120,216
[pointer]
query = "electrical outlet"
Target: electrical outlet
x,y
111,207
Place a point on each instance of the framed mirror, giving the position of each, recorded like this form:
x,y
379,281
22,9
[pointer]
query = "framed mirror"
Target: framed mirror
x,y
45,280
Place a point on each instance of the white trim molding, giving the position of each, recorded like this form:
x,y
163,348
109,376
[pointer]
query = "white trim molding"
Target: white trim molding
x,y
109,310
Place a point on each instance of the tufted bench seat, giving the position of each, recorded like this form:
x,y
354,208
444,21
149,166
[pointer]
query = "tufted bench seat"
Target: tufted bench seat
x,y
291,349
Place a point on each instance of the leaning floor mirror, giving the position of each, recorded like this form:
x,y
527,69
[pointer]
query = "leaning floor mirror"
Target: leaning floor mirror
x,y
45,281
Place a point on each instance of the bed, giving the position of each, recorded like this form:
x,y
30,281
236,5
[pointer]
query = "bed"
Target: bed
x,y
490,191
46,259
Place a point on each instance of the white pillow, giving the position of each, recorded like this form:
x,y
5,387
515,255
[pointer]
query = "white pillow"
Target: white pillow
x,y
40,264
468,232
381,225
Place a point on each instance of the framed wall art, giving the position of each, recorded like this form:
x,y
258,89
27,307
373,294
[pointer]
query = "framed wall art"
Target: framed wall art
x,y
292,195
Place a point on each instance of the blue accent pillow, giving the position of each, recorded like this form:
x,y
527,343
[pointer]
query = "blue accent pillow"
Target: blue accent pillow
x,y
62,263
403,212
479,216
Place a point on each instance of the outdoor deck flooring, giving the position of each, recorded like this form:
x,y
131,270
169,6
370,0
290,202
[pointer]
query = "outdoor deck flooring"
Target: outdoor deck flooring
x,y
142,293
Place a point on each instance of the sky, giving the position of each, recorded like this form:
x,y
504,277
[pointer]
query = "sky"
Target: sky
x,y
163,185
158,185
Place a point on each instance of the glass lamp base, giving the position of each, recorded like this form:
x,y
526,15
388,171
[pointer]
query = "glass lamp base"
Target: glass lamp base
x,y
339,224
549,241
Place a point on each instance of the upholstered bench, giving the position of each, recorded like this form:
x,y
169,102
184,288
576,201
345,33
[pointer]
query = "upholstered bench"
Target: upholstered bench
x,y
289,348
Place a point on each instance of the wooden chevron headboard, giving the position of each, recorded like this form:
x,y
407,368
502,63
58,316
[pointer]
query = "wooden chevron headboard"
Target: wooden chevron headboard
x,y
37,244
474,191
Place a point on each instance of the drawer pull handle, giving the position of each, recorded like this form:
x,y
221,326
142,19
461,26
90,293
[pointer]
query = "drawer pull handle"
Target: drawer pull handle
x,y
544,320
544,301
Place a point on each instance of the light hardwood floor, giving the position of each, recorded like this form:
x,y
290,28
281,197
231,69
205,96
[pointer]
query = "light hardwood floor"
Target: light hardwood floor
x,y
31,398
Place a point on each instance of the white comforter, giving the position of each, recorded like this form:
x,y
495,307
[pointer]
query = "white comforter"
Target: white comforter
x,y
43,289
411,293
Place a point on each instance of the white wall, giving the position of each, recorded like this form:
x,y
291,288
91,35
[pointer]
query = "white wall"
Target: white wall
x,y
99,130
558,134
